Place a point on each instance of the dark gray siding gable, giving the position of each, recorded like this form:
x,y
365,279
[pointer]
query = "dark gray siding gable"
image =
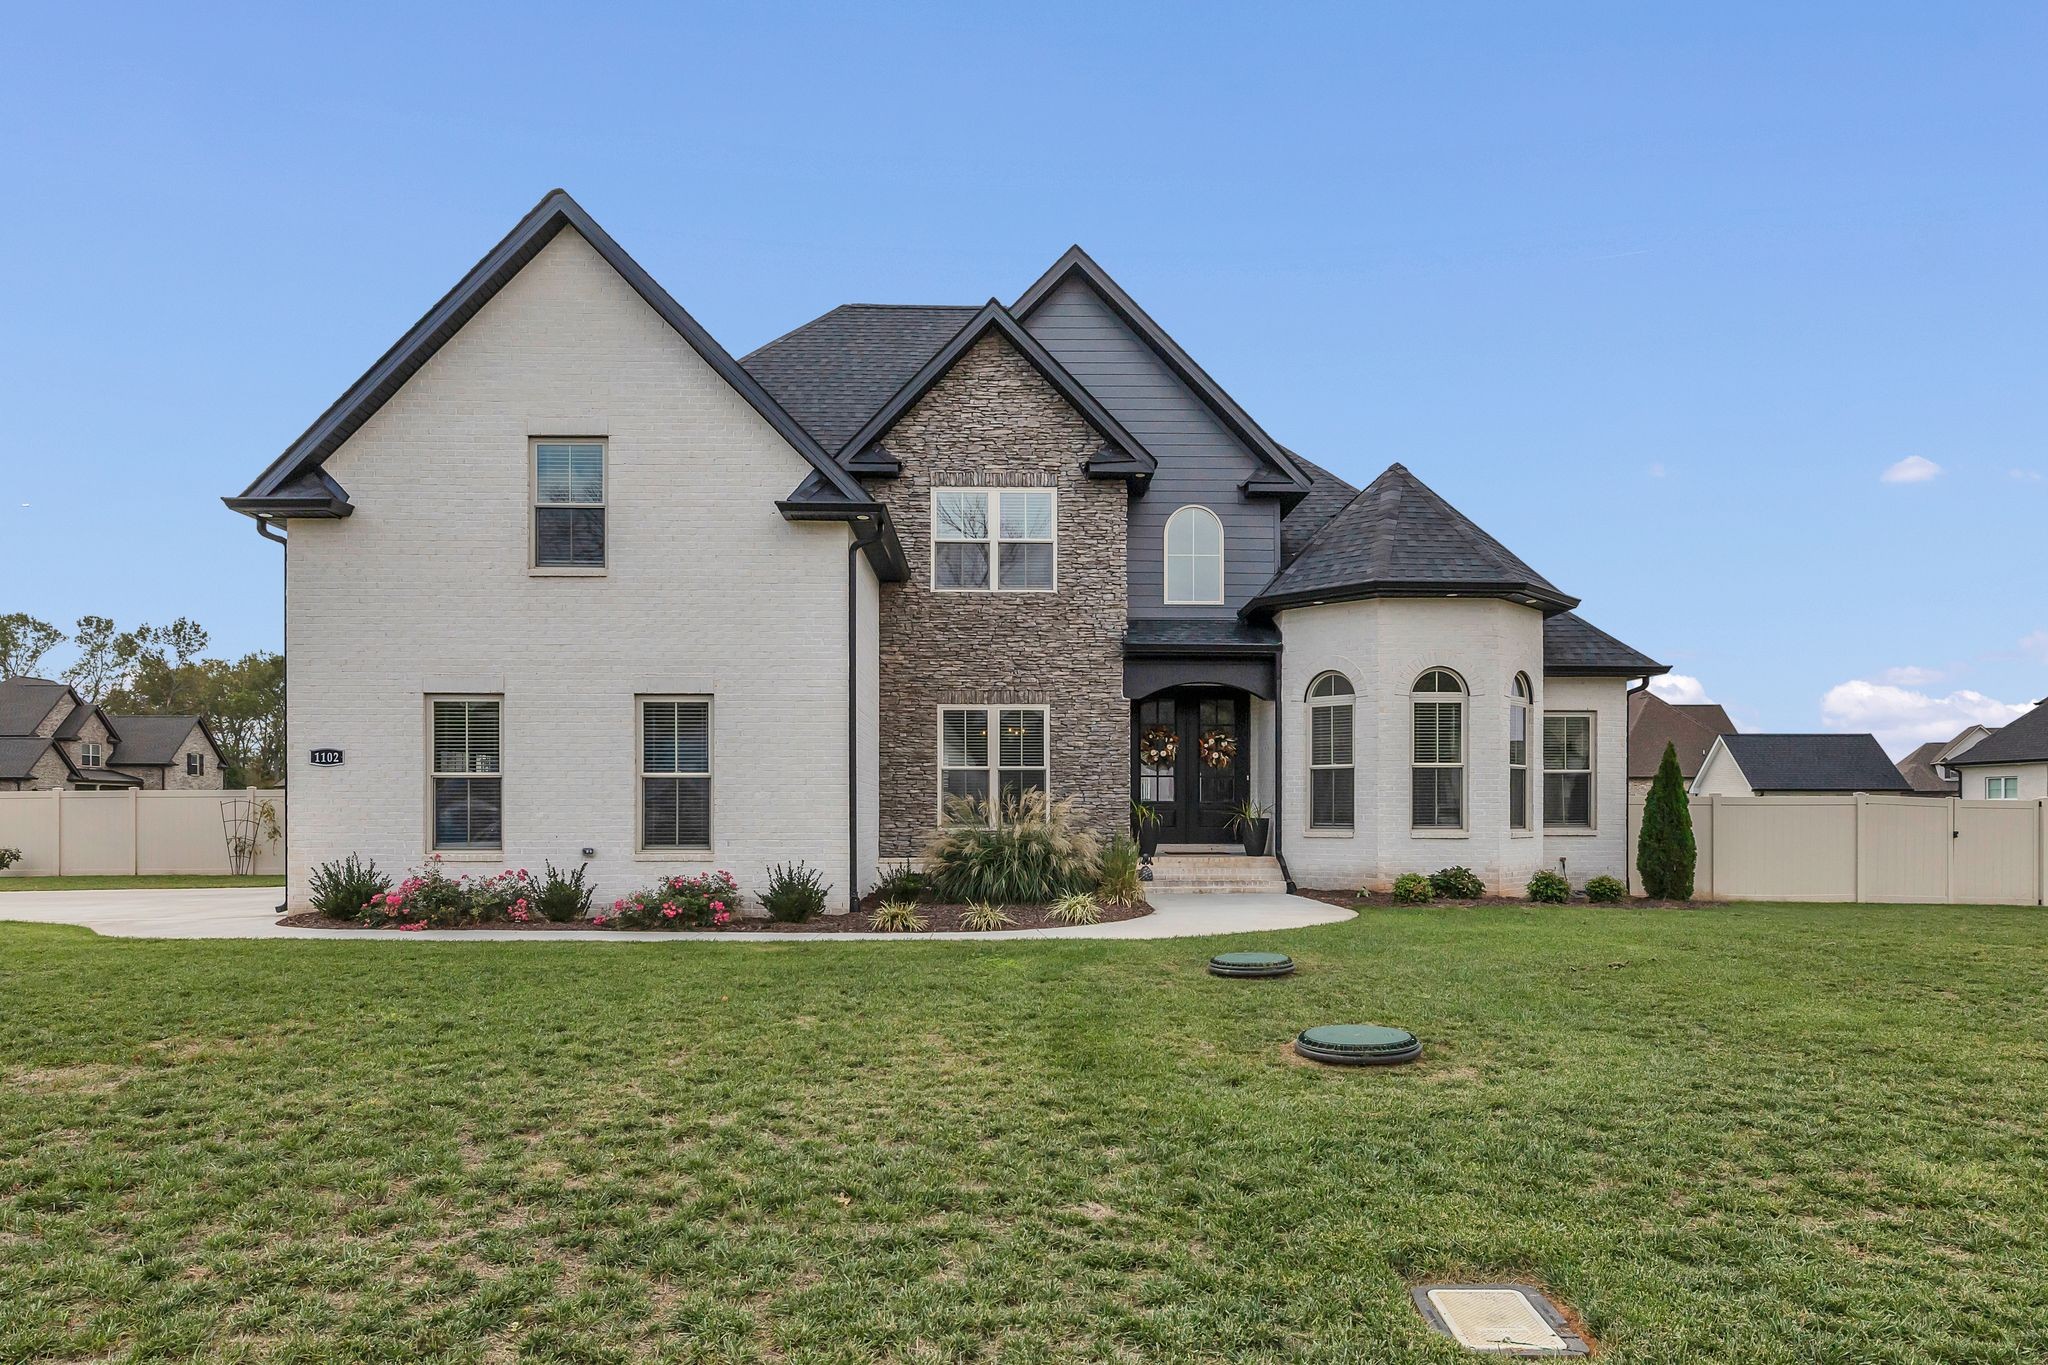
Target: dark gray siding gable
x,y
1200,460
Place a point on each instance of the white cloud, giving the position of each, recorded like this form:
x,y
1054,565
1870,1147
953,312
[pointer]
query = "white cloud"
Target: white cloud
x,y
1901,717
1912,469
1680,690
1912,675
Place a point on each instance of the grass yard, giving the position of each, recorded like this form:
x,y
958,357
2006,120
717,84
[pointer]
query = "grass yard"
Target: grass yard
x,y
176,882
1753,1133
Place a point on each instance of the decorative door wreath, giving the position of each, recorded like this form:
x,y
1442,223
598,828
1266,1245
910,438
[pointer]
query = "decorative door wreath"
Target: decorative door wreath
x,y
1159,746
1219,748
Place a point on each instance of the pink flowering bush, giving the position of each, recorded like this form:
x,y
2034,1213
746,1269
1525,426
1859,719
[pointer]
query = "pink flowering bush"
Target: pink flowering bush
x,y
429,898
704,901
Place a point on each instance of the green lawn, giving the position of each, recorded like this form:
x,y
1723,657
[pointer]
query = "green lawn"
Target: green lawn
x,y
1756,1134
171,883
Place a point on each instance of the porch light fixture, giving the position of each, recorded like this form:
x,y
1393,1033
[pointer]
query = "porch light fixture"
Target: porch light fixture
x,y
1500,1319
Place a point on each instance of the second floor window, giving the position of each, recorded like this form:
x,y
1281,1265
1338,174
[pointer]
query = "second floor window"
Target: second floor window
x,y
195,765
1194,557
993,539
568,504
89,755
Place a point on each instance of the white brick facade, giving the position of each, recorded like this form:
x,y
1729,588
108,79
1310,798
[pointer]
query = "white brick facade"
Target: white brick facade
x,y
426,590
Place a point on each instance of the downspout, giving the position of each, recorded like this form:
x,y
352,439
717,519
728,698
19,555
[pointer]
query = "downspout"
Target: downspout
x,y
861,542
264,529
1279,768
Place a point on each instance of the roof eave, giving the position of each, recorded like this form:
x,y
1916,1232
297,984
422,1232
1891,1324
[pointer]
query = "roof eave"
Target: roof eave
x,y
1548,601
884,551
1605,671
1168,649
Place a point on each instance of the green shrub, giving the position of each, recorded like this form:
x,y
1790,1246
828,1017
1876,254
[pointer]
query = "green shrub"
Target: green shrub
x,y
1079,908
703,901
794,894
560,896
1035,853
1457,884
896,917
9,857
900,883
1549,888
1116,879
1606,891
1666,856
1412,888
983,917
339,890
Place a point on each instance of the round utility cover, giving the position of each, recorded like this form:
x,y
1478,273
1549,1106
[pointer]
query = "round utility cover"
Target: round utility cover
x,y
1358,1045
1251,964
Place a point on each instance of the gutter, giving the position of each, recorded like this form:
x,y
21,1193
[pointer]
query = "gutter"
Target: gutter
x,y
861,542
269,532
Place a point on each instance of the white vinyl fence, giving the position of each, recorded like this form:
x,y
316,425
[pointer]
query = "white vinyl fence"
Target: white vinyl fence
x,y
1906,850
126,833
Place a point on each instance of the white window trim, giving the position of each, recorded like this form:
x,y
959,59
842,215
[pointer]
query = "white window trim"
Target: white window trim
x,y
1532,731
90,755
463,855
994,769
680,853
1462,698
1222,560
996,540
536,569
2003,780
1311,767
1592,771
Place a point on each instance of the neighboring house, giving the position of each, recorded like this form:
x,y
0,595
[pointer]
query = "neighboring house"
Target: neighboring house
x,y
51,737
1653,723
1929,767
2008,764
563,575
1797,765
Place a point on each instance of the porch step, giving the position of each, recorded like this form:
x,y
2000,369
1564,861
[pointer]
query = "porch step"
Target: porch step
x,y
1216,873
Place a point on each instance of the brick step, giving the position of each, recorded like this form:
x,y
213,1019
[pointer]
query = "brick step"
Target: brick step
x,y
1217,873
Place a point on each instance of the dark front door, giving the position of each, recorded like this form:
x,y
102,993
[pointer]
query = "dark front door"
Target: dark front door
x,y
1190,762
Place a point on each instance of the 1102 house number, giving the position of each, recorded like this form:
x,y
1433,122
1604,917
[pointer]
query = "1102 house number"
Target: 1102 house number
x,y
326,758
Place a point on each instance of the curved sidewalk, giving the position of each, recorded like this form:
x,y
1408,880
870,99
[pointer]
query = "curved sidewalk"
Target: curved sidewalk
x,y
250,912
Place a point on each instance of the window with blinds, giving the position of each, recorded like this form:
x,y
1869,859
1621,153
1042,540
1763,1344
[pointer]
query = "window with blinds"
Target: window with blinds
x,y
568,504
972,768
1568,771
1518,753
468,787
675,773
1332,777
1438,789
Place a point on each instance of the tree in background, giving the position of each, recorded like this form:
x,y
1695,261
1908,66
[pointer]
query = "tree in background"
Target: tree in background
x,y
242,703
1665,853
23,642
109,660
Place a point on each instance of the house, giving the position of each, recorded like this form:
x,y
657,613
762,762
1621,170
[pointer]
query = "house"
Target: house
x,y
2007,764
1653,723
51,737
1797,765
567,581
1928,768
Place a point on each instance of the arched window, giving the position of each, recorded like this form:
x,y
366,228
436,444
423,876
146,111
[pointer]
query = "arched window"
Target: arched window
x,y
1518,753
1331,777
1439,785
1194,557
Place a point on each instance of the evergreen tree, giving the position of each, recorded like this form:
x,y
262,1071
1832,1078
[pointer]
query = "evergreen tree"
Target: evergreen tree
x,y
1665,852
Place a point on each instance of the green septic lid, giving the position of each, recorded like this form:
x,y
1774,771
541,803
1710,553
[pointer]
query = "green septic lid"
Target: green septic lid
x,y
1357,1044
1251,960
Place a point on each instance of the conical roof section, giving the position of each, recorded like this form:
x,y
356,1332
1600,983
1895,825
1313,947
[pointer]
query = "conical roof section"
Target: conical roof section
x,y
1398,538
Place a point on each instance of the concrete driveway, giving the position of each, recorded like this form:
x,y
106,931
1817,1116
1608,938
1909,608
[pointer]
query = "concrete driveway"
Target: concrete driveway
x,y
251,912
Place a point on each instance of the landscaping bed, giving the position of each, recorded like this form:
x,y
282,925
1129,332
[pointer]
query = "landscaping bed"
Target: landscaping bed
x,y
938,919
1366,900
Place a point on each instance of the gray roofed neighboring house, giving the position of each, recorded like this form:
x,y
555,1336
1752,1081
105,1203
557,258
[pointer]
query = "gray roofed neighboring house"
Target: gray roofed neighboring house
x,y
1918,769
1794,764
1654,723
99,757
25,702
1399,538
19,755
2021,741
153,740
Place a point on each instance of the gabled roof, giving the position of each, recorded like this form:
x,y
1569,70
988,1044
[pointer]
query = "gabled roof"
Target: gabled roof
x,y
1327,495
1125,456
835,371
25,702
1918,768
153,741
285,490
1814,763
1654,722
2020,741
19,755
1397,538
1281,477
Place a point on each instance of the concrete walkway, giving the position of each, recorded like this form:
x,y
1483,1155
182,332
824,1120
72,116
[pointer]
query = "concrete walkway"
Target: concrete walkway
x,y
250,912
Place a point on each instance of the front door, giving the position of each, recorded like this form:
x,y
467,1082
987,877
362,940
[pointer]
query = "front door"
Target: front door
x,y
1190,763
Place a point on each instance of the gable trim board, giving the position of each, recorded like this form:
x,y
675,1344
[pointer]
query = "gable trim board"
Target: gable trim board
x,y
282,491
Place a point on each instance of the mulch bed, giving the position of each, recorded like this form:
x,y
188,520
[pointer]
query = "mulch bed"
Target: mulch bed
x,y
1352,900
939,918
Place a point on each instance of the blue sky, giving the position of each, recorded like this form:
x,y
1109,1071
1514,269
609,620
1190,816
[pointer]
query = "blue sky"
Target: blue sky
x,y
1656,294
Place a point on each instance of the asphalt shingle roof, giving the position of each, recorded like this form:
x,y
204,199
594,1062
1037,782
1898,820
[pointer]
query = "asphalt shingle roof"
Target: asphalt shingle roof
x,y
18,754
1815,763
836,371
150,741
1918,768
1399,536
1654,723
1327,496
25,701
1200,633
1572,644
2021,741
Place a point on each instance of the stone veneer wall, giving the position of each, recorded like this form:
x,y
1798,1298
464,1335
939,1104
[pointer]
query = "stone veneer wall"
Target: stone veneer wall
x,y
992,421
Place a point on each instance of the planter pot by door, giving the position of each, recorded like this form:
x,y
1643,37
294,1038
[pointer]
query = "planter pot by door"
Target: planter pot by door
x,y
1254,832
